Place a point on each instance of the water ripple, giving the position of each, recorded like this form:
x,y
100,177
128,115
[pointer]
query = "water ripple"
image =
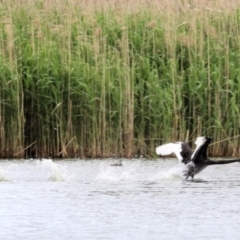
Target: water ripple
x,y
140,200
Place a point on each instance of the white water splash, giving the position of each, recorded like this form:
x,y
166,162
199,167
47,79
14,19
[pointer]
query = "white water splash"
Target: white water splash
x,y
57,172
3,177
171,174
134,172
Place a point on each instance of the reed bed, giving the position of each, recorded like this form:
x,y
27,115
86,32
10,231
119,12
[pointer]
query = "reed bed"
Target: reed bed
x,y
117,78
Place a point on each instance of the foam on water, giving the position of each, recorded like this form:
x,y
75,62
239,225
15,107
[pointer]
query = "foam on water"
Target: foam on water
x,y
132,172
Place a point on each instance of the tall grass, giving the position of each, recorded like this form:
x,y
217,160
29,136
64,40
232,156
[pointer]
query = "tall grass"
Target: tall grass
x,y
117,78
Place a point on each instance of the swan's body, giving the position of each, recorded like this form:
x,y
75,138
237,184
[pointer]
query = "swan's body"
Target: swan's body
x,y
195,161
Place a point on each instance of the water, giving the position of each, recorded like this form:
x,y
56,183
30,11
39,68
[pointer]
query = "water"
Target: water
x,y
143,200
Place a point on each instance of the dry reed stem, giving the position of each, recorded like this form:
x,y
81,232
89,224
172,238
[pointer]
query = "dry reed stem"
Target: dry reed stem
x,y
130,5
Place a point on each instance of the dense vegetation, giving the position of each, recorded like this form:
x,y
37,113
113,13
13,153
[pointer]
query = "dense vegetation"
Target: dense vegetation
x,y
100,79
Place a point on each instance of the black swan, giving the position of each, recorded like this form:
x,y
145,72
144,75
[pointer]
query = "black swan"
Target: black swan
x,y
195,161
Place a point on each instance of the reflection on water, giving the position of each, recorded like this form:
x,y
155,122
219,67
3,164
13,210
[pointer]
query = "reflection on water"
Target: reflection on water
x,y
78,199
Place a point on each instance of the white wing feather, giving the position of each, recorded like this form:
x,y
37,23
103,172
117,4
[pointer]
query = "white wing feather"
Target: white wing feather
x,y
170,148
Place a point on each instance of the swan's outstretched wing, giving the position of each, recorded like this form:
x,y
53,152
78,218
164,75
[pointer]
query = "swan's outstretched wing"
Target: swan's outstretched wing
x,y
182,151
170,148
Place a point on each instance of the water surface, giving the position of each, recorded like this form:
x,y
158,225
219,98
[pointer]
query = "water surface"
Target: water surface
x,y
142,200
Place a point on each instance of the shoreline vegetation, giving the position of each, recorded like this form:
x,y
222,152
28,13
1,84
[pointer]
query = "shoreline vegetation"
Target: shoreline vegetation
x,y
117,78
